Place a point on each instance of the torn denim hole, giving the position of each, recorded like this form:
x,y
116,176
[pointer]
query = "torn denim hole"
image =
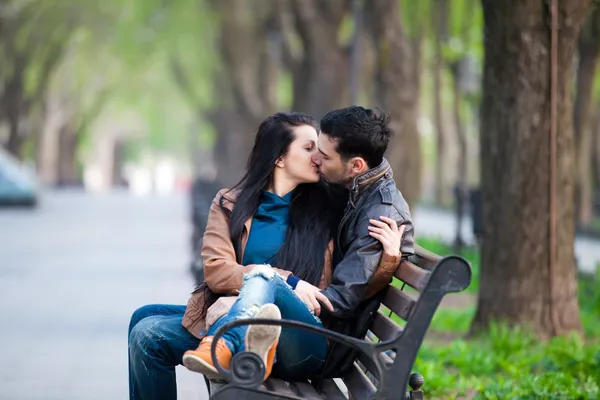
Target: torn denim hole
x,y
267,272
315,317
248,312
263,270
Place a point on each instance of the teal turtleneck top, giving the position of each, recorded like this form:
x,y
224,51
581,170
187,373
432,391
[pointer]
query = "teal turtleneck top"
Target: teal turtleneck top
x,y
268,230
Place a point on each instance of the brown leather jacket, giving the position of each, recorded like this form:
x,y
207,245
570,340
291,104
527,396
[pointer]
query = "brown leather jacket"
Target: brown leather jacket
x,y
224,275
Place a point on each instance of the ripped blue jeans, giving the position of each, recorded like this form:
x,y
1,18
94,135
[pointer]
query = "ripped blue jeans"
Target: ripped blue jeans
x,y
299,354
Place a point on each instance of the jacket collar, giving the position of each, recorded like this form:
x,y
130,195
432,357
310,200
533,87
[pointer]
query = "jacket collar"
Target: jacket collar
x,y
361,183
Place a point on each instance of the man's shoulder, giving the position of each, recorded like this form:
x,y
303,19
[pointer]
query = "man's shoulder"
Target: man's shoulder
x,y
386,200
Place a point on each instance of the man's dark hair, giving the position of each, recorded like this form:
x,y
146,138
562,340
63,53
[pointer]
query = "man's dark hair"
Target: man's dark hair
x,y
360,132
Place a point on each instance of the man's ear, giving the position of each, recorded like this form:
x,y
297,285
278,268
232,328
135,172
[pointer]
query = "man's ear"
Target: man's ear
x,y
358,165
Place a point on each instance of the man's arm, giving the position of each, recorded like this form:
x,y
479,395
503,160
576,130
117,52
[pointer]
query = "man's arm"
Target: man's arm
x,y
353,274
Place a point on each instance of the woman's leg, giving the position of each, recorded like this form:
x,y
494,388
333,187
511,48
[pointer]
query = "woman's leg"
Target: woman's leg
x,y
258,289
157,341
299,353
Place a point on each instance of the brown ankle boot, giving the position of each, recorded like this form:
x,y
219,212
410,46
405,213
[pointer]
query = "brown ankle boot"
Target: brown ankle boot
x,y
263,339
200,360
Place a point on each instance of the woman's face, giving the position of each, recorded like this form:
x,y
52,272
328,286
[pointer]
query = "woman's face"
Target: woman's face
x,y
297,163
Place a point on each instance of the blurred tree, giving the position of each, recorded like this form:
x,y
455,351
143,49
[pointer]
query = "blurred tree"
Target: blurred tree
x,y
397,92
440,27
33,37
596,149
75,97
458,59
589,47
246,81
244,85
527,277
314,54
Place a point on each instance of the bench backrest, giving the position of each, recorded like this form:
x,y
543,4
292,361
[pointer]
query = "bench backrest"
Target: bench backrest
x,y
432,277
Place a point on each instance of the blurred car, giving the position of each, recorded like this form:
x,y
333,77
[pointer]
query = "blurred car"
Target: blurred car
x,y
18,185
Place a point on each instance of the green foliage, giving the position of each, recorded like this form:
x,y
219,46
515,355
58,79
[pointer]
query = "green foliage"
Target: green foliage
x,y
511,363
453,320
505,363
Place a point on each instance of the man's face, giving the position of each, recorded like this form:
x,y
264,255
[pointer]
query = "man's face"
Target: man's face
x,y
331,166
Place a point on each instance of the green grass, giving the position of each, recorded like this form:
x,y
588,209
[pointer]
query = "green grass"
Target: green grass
x,y
595,224
510,363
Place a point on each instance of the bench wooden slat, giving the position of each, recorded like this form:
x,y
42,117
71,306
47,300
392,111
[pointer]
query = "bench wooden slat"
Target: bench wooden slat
x,y
384,328
358,384
331,391
364,360
305,390
279,386
399,302
414,276
424,258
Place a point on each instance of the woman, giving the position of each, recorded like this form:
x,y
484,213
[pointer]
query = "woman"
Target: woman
x,y
269,239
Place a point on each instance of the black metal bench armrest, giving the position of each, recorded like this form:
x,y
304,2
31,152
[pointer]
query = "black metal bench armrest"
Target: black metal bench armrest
x,y
451,274
247,369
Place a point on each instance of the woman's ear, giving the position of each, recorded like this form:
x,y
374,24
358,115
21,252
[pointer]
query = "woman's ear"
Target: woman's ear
x,y
279,163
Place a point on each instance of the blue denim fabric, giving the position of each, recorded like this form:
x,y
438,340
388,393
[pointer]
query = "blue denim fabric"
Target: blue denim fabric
x,y
157,341
299,354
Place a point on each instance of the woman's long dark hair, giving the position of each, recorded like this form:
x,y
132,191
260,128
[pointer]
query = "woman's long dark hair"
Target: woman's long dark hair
x,y
312,216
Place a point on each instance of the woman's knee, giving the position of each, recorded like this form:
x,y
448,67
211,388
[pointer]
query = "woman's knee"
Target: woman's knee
x,y
261,278
262,271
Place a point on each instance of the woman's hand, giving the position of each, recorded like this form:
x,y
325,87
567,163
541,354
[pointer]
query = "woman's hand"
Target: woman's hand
x,y
311,295
218,309
388,233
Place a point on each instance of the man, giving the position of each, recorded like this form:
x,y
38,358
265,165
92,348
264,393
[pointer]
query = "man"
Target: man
x,y
351,145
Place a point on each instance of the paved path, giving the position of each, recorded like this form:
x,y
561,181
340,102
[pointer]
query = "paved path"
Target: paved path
x,y
71,273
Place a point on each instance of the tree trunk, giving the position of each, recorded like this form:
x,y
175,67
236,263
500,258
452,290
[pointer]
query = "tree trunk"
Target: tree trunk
x,y
589,46
596,152
463,154
321,73
12,102
67,174
519,285
246,84
15,139
442,190
596,148
397,93
233,145
116,176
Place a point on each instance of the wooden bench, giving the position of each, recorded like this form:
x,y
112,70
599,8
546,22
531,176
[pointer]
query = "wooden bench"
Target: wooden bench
x,y
386,355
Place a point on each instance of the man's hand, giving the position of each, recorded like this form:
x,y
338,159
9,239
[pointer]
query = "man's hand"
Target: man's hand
x,y
311,295
218,309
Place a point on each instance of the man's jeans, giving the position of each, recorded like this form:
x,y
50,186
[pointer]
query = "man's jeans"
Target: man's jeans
x,y
157,342
299,354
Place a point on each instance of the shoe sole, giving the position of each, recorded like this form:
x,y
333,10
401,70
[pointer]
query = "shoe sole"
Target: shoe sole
x,y
197,364
260,338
